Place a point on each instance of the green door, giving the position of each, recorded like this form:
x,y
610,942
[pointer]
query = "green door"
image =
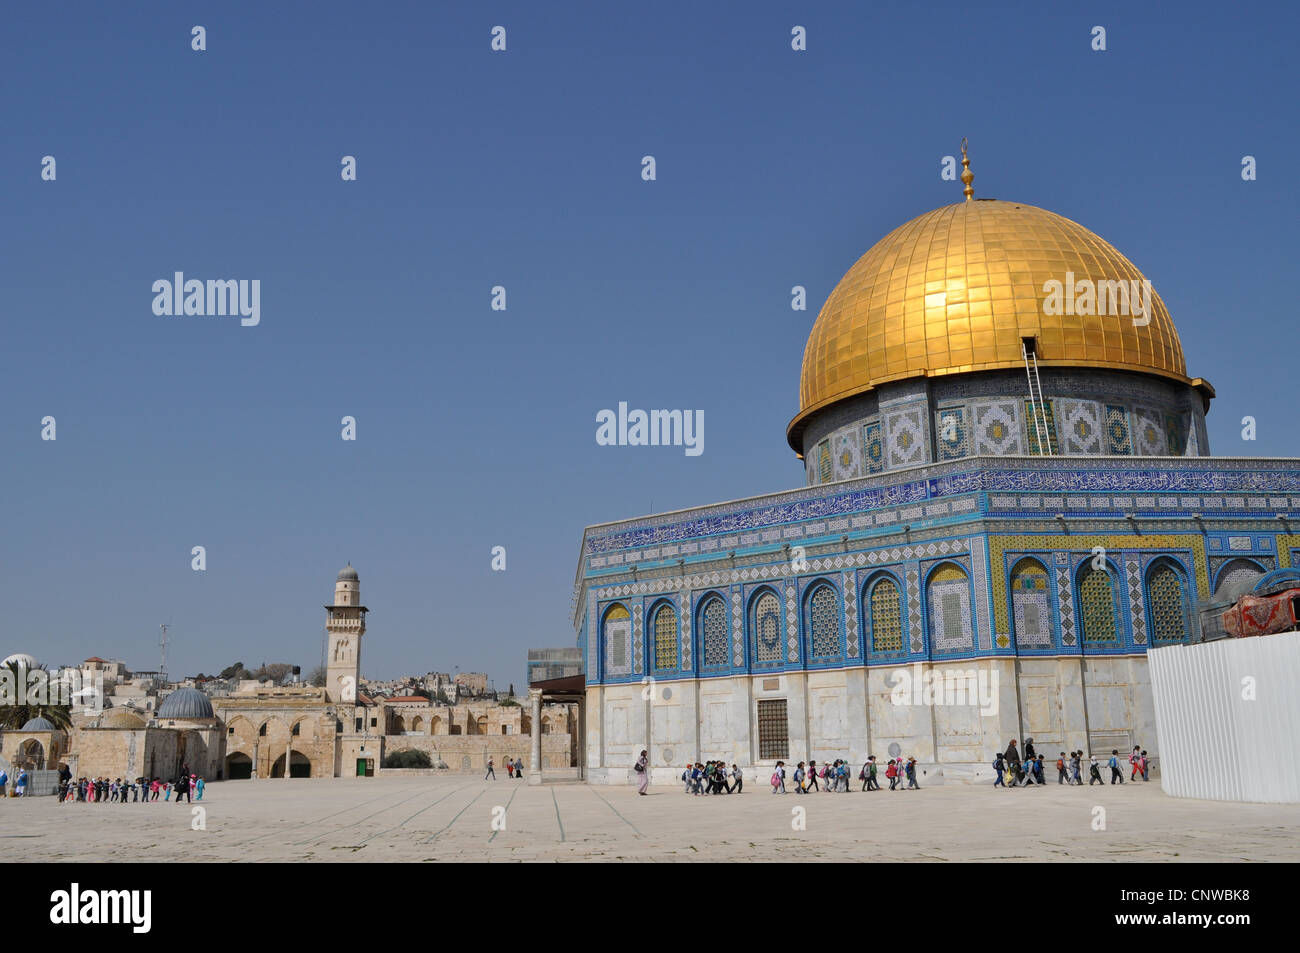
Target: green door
x,y
361,767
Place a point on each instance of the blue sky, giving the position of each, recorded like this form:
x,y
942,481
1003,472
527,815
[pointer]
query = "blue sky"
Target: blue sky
x,y
476,428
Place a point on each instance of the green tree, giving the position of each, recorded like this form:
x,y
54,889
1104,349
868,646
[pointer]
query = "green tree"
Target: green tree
x,y
407,758
277,672
17,709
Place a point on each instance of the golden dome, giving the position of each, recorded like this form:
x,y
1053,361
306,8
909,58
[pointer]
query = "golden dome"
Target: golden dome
x,y
956,290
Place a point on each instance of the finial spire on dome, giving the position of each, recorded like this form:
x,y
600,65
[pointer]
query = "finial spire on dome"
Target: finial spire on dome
x,y
967,176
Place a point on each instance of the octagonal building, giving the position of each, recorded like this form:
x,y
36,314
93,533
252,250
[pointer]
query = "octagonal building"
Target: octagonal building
x,y
946,579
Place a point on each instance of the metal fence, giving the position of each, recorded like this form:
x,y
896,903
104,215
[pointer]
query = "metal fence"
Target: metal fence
x,y
1228,718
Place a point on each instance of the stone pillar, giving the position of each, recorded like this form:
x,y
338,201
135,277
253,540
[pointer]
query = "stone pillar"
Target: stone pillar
x,y
535,759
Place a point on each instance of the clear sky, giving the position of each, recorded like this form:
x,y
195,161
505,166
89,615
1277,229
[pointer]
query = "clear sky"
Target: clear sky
x,y
476,428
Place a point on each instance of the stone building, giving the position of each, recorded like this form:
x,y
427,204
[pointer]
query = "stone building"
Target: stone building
x,y
261,730
472,684
1005,503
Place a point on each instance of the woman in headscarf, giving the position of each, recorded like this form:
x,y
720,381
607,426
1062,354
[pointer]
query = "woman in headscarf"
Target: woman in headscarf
x,y
642,769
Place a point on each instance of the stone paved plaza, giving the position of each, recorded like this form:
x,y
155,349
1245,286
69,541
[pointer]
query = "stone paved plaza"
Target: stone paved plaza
x,y
451,818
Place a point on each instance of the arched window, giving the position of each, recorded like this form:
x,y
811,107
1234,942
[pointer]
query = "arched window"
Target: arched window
x,y
1031,605
765,622
824,461
885,615
1234,578
665,633
823,622
618,640
948,598
1166,603
713,623
1097,606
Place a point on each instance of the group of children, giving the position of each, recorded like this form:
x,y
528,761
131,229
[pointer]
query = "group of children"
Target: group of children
x,y
115,790
1030,771
834,776
711,778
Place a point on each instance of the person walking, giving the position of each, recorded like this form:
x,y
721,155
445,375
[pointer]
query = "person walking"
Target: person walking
x,y
20,785
1134,759
738,780
891,772
1061,776
1094,771
1115,772
4,781
200,785
491,772
1144,764
911,774
999,766
1012,759
872,783
1074,767
642,769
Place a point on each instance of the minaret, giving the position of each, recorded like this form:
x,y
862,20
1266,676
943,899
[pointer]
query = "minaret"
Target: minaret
x,y
346,625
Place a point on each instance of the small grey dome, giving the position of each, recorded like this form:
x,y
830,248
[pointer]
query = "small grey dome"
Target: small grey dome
x,y
39,724
347,573
187,703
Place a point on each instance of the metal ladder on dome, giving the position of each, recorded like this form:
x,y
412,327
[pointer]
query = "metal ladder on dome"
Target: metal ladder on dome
x,y
1037,405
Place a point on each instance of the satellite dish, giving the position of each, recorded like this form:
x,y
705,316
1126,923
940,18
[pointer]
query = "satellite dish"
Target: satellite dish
x,y
895,749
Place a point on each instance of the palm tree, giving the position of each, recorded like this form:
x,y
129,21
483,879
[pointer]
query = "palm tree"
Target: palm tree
x,y
13,715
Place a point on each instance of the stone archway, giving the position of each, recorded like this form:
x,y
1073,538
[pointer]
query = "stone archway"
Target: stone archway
x,y
31,755
299,766
239,766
